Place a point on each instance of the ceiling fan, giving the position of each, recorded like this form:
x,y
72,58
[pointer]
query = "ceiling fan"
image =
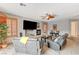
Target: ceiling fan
x,y
48,16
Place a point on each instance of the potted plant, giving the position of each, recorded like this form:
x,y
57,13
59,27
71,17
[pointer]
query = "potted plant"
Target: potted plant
x,y
3,34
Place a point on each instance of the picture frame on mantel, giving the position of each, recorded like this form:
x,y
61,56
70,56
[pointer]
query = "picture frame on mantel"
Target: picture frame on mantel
x,y
38,32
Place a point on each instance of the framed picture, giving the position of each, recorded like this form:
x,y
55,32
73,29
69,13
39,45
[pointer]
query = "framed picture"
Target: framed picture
x,y
45,27
54,27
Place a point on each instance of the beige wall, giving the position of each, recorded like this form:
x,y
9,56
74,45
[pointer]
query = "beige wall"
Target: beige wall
x,y
64,25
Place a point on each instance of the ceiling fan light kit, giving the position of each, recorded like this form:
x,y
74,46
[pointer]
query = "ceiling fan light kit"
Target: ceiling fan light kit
x,y
48,16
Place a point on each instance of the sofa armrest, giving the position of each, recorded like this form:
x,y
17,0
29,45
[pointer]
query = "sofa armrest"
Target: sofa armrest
x,y
54,45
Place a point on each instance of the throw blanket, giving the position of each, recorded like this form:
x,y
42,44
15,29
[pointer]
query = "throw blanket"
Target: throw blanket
x,y
24,40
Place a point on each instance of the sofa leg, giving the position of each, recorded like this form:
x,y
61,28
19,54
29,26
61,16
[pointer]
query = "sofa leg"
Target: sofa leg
x,y
60,48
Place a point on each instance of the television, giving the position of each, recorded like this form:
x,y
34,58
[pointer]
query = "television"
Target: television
x,y
29,25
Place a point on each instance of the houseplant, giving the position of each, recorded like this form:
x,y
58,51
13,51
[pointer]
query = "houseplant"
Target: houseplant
x,y
3,33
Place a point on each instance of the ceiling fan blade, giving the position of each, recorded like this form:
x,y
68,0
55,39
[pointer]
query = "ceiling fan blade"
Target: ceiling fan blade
x,y
43,17
48,16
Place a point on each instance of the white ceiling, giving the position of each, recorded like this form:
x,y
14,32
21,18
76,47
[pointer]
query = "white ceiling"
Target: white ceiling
x,y
36,10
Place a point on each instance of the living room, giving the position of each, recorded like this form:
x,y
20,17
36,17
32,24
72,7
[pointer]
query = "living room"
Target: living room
x,y
50,29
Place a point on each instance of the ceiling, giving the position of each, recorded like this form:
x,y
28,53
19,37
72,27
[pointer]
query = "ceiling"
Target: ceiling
x,y
36,10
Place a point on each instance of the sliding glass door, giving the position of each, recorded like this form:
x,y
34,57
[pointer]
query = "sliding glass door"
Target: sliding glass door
x,y
12,27
74,28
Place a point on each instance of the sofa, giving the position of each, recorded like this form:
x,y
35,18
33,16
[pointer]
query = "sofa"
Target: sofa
x,y
31,47
58,43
